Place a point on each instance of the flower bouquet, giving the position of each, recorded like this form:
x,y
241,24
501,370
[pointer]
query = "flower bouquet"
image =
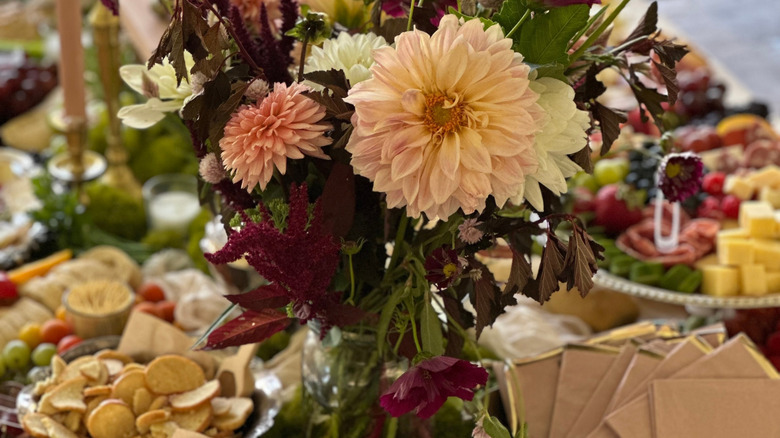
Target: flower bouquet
x,y
363,154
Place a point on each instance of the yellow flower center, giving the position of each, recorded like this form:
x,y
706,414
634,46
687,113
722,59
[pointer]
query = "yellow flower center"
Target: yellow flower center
x,y
443,116
449,270
673,169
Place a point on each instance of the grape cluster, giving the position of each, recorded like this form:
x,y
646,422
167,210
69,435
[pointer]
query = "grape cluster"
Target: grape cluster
x,y
700,97
642,165
23,85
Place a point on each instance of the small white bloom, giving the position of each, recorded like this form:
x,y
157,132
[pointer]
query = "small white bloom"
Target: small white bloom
x,y
159,85
563,133
257,90
351,54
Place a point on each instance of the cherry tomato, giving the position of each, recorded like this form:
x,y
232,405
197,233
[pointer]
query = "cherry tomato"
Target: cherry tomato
x,y
151,292
53,330
67,343
148,307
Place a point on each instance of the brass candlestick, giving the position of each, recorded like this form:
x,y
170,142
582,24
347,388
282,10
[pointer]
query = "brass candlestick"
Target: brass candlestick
x,y
77,165
105,30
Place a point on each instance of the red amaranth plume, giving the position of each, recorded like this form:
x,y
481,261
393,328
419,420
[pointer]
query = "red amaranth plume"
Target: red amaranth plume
x,y
242,35
302,259
289,9
273,59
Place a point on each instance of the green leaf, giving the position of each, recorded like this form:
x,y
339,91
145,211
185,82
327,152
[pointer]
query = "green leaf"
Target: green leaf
x,y
486,23
387,314
430,326
510,13
545,38
554,70
494,428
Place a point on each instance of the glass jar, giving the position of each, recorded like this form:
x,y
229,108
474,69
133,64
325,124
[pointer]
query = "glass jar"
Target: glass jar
x,y
344,369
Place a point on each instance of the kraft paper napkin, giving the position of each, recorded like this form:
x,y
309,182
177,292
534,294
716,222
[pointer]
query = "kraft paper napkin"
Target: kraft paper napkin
x,y
596,406
582,368
641,366
722,408
738,358
684,354
529,391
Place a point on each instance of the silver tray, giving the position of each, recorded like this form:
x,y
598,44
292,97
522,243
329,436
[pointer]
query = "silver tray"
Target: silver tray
x,y
267,395
610,281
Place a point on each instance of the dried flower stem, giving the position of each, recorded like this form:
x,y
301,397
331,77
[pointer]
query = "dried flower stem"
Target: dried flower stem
x,y
244,53
303,63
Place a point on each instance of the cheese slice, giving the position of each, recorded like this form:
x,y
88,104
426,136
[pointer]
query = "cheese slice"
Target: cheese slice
x,y
739,187
767,252
720,281
752,280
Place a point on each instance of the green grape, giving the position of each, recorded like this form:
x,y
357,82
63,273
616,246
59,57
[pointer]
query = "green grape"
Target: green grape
x,y
2,368
43,353
584,179
610,171
16,354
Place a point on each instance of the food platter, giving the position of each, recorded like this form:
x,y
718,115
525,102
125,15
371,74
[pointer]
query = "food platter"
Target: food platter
x,y
610,281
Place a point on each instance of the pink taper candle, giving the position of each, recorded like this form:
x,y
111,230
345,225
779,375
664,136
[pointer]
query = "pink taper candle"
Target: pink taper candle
x,y
71,68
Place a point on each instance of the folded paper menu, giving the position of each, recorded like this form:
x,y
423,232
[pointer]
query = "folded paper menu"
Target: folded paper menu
x,y
653,387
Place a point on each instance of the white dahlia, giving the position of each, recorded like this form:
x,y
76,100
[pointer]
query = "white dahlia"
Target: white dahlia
x,y
351,54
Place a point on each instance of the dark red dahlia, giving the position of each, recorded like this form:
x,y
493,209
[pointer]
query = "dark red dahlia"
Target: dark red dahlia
x,y
443,267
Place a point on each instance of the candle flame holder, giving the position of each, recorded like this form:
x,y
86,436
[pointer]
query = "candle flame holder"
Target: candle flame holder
x,y
105,28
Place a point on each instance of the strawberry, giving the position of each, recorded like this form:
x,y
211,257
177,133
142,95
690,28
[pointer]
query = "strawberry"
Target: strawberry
x,y
712,183
8,289
730,206
617,208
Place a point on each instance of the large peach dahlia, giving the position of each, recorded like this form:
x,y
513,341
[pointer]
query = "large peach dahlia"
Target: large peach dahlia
x,y
446,120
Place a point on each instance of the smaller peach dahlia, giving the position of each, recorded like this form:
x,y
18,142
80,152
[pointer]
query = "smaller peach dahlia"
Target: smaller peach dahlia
x,y
261,137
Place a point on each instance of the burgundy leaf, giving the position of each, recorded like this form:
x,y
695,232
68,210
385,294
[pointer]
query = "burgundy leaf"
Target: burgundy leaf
x,y
609,122
249,328
270,296
338,200
519,274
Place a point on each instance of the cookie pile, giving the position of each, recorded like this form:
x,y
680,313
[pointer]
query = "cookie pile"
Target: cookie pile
x,y
109,396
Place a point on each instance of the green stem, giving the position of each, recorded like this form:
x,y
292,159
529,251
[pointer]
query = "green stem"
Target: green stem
x,y
519,23
303,56
400,233
459,7
351,299
599,31
587,27
411,13
392,427
401,334
410,306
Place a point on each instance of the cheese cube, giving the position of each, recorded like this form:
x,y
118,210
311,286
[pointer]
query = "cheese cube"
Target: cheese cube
x,y
739,187
736,251
739,233
729,224
773,282
720,281
770,195
767,252
752,280
758,218
769,176
707,260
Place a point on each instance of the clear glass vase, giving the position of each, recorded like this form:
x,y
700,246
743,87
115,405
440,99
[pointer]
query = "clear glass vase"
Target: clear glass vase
x,y
342,370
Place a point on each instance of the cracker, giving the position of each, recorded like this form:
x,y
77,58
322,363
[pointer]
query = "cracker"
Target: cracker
x,y
113,366
97,390
240,409
163,430
58,366
67,396
158,402
142,399
196,420
94,403
133,367
172,374
115,355
112,419
220,405
57,430
73,420
33,424
126,385
95,372
73,369
197,397
145,421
